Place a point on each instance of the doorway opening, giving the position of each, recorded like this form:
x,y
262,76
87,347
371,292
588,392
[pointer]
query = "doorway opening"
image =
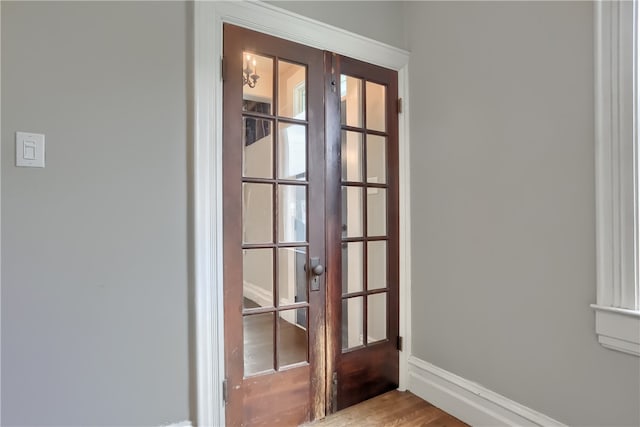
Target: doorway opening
x,y
311,230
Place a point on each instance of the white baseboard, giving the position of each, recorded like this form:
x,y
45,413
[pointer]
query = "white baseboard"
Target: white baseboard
x,y
257,294
180,424
468,401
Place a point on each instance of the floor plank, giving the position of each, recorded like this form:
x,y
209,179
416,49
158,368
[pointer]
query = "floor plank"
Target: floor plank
x,y
392,409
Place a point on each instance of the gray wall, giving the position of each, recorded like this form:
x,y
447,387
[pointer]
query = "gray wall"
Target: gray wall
x,y
379,20
94,246
503,205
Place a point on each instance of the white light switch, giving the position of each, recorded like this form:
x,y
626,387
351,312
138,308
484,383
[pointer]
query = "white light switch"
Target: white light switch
x,y
29,150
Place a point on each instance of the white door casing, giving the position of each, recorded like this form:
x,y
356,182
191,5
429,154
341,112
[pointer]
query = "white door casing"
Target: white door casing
x,y
207,172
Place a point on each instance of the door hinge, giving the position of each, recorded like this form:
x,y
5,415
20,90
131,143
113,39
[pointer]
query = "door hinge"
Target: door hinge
x,y
399,105
223,69
400,343
225,391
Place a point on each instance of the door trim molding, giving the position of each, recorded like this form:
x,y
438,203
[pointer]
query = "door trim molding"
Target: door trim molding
x,y
207,222
277,22
207,172
404,171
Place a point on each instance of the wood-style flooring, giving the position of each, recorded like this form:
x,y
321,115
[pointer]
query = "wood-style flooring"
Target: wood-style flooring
x,y
391,409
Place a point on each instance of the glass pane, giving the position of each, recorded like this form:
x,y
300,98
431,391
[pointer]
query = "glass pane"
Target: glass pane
x,y
352,267
352,216
292,151
351,156
293,338
257,83
258,343
377,317
257,148
292,90
350,101
376,102
292,276
292,221
376,211
376,159
376,265
352,323
257,278
257,211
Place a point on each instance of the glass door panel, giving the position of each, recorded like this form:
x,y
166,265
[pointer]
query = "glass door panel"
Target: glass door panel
x,y
352,212
292,90
376,211
376,317
352,267
292,337
352,323
258,343
376,159
292,213
257,148
292,151
352,163
257,278
292,275
257,88
376,106
351,101
376,264
257,212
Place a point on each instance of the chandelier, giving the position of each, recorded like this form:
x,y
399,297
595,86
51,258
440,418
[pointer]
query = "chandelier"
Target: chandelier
x,y
250,77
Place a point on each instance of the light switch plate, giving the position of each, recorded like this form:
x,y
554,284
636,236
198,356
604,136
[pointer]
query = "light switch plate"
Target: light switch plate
x,y
29,150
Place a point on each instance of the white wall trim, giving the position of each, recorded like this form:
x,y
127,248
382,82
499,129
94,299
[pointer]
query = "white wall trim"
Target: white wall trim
x,y
278,22
468,401
618,329
405,225
207,188
614,154
616,172
0,212
257,294
274,21
179,424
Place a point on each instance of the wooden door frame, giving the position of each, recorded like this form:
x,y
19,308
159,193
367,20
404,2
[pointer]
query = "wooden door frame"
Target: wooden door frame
x,y
206,180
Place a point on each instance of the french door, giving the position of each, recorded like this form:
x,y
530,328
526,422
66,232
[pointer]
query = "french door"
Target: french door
x,y
310,230
362,231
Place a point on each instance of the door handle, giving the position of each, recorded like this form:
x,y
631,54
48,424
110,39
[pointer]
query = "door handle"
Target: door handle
x,y
317,270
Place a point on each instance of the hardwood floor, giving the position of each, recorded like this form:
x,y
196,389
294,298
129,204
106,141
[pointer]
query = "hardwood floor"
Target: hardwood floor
x,y
391,409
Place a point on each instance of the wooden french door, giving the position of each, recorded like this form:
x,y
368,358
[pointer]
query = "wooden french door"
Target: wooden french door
x,y
362,231
308,187
274,229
